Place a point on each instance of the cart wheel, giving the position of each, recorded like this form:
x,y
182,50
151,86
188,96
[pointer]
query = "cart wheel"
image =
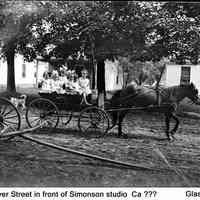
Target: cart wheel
x,y
93,120
9,117
42,112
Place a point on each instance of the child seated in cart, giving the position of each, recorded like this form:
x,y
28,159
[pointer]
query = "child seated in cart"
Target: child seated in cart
x,y
72,84
63,76
57,84
46,83
84,85
63,81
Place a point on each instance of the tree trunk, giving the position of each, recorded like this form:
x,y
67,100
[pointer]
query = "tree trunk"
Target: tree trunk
x,y
91,38
36,74
101,82
10,57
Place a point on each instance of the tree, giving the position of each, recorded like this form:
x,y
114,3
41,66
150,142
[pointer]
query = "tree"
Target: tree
x,y
15,33
98,30
176,32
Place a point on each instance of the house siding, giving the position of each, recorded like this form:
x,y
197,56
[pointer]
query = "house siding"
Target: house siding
x,y
113,75
172,75
25,72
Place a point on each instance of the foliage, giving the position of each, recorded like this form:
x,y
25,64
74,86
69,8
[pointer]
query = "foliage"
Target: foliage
x,y
96,30
176,33
141,72
140,30
17,16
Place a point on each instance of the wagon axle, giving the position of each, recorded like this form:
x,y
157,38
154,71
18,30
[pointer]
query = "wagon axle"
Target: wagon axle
x,y
42,115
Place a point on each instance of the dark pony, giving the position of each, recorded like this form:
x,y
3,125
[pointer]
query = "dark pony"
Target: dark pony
x,y
141,96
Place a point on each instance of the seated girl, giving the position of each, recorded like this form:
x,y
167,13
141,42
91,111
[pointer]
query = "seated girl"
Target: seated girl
x,y
57,84
84,84
72,83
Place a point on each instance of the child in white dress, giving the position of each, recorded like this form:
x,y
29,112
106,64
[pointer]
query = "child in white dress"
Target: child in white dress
x,y
57,83
84,86
84,83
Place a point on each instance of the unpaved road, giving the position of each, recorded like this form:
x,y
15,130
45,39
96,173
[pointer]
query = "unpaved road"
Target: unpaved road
x,y
24,163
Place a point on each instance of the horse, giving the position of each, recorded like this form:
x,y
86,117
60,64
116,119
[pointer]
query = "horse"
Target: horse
x,y
143,96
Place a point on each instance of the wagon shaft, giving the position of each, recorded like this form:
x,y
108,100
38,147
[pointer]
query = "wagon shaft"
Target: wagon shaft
x,y
161,109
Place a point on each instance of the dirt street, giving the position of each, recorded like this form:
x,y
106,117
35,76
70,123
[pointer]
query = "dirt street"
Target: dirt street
x,y
24,163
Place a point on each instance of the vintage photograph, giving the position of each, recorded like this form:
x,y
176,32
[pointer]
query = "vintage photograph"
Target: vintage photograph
x,y
99,94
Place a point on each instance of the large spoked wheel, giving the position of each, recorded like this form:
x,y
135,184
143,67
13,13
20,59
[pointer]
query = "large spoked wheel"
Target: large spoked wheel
x,y
42,112
9,117
94,121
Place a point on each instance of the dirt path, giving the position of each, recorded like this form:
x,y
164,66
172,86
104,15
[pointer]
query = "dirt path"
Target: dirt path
x,y
24,163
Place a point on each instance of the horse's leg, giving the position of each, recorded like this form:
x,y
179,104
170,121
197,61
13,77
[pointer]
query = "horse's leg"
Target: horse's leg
x,y
121,117
114,117
173,131
167,123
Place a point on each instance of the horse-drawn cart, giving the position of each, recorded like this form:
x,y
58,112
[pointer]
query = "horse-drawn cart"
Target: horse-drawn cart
x,y
53,107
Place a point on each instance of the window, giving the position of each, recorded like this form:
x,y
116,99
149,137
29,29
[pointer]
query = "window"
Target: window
x,y
23,70
185,75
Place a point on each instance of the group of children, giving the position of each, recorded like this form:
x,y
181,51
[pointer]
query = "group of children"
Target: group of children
x,y
65,82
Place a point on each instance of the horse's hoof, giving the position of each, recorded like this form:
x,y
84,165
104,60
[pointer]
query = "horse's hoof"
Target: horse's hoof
x,y
122,136
172,133
170,138
125,136
173,137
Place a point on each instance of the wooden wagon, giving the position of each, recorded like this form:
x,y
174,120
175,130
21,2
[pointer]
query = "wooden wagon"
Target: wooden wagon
x,y
53,107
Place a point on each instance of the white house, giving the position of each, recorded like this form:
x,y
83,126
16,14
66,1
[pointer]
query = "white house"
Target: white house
x,y
175,74
113,75
27,74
